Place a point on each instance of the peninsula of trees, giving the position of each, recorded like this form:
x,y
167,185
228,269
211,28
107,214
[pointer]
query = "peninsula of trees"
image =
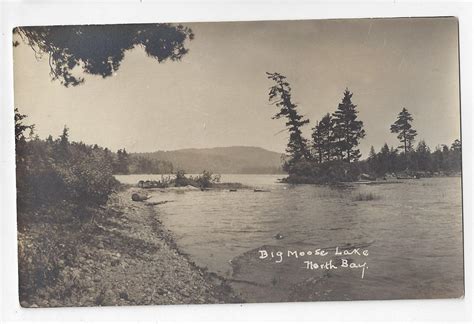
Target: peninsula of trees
x,y
331,155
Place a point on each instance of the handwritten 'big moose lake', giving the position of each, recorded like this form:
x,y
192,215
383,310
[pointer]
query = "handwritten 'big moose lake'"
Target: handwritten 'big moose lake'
x,y
412,232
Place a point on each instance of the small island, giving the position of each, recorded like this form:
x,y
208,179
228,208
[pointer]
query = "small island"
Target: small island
x,y
332,156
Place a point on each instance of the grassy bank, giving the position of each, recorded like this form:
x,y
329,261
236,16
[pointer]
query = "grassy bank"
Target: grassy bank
x,y
121,256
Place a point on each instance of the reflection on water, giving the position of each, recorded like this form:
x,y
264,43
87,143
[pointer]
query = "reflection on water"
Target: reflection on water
x,y
413,231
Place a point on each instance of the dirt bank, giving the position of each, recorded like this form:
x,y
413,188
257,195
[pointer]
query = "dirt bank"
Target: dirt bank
x,y
125,258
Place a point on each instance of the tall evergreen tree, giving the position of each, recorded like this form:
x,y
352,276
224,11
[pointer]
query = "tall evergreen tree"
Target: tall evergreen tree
x,y
109,157
323,138
393,159
423,156
64,137
372,153
440,158
402,126
372,159
318,142
455,156
62,150
348,130
122,162
384,159
280,95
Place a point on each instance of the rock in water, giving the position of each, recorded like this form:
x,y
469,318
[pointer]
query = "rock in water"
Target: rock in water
x,y
139,197
279,236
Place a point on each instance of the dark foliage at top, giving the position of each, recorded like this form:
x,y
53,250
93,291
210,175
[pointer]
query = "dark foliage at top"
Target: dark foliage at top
x,y
99,49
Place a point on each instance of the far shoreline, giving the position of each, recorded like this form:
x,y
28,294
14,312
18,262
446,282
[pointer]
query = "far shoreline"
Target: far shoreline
x,y
281,180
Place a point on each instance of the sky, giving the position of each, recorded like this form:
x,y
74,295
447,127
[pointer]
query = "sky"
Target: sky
x,y
217,95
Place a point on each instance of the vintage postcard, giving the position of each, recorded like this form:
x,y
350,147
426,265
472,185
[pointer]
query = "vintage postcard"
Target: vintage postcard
x,y
238,162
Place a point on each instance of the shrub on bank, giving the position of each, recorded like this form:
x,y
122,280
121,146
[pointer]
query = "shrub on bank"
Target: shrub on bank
x,y
205,180
88,180
181,180
83,177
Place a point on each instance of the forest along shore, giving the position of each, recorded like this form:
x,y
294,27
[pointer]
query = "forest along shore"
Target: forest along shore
x,y
130,259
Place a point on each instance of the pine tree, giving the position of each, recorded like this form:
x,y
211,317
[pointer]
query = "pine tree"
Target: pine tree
x,y
393,159
438,158
323,138
406,134
384,159
280,95
423,156
372,154
62,150
122,162
64,137
348,130
318,142
372,160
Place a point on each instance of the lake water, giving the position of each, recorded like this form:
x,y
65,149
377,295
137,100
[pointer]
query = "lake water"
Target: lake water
x,y
412,232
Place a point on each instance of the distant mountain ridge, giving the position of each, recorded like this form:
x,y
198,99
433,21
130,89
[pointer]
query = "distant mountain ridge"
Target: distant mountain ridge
x,y
232,159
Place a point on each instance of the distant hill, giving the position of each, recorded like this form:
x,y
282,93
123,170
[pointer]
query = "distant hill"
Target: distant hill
x,y
234,159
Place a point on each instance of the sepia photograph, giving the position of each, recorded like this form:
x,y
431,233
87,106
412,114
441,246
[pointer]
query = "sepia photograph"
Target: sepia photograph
x,y
238,162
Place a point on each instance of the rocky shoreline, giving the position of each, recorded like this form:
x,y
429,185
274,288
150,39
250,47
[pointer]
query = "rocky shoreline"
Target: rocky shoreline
x,y
129,258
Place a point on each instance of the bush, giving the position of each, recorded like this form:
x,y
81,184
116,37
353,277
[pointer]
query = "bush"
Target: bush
x,y
205,180
52,172
181,180
88,179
